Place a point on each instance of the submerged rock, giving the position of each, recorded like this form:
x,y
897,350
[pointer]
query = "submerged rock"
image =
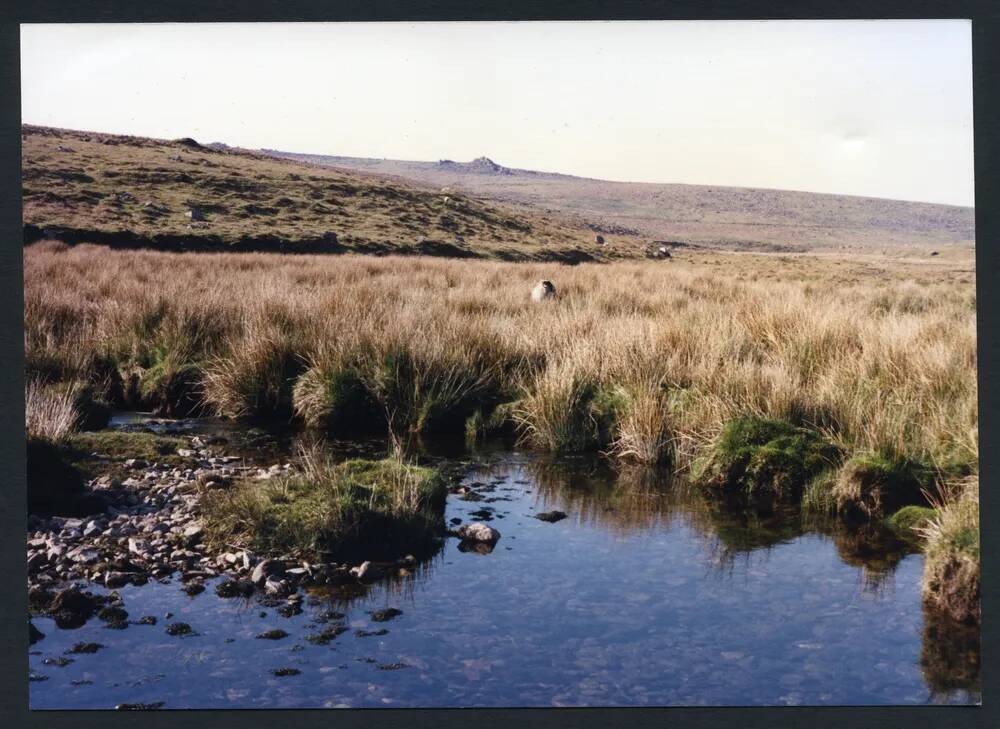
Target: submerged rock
x,y
551,516
85,648
234,588
71,608
179,629
275,634
381,616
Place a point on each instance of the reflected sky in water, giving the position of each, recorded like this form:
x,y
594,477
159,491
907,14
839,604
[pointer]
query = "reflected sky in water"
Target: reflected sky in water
x,y
644,595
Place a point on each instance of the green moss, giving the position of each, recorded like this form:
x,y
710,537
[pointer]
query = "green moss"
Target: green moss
x,y
760,457
358,509
89,453
906,521
122,444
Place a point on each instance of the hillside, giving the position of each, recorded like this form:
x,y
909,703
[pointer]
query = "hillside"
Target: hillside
x,y
727,217
174,195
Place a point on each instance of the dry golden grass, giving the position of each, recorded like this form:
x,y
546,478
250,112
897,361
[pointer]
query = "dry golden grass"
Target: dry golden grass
x,y
879,354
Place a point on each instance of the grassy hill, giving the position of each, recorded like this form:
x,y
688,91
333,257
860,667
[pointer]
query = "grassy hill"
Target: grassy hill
x,y
140,192
727,217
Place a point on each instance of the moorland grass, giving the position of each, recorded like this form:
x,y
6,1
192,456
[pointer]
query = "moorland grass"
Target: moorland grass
x,y
647,361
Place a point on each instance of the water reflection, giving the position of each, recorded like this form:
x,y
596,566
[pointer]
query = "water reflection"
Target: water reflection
x,y
648,593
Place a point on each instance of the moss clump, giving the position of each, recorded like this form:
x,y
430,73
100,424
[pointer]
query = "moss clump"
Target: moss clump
x,y
336,400
358,509
764,458
123,444
874,485
908,521
89,453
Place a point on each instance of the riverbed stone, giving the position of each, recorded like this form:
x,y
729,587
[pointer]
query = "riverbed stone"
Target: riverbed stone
x,y
265,569
478,532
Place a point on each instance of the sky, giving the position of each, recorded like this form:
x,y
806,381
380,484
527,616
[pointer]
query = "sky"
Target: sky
x,y
876,108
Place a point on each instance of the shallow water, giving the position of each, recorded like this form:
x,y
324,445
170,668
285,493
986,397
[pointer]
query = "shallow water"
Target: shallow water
x,y
641,596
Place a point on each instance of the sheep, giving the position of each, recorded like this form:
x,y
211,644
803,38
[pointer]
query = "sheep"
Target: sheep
x,y
544,290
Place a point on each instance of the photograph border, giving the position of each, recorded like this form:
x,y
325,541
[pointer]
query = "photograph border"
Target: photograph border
x,y
985,16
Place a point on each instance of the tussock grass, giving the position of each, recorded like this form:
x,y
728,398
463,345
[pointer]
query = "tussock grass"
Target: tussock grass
x,y
326,510
951,583
49,413
647,360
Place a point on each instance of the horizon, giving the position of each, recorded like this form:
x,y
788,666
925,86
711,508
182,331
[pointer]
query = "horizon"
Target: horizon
x,y
878,109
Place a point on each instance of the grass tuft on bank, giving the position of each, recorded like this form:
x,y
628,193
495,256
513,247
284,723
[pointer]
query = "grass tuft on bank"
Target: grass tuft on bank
x,y
951,583
357,509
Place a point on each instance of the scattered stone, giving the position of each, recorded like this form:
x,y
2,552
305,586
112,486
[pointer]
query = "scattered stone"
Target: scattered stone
x,y
85,648
275,634
194,588
114,580
72,608
391,666
366,572
285,672
60,661
265,569
478,532
326,635
112,614
369,633
180,629
381,616
147,620
234,588
37,677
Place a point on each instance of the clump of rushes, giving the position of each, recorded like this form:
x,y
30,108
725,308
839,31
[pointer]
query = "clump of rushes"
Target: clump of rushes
x,y
333,397
951,583
874,485
357,509
763,458
255,377
565,410
427,387
643,426
817,496
49,412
